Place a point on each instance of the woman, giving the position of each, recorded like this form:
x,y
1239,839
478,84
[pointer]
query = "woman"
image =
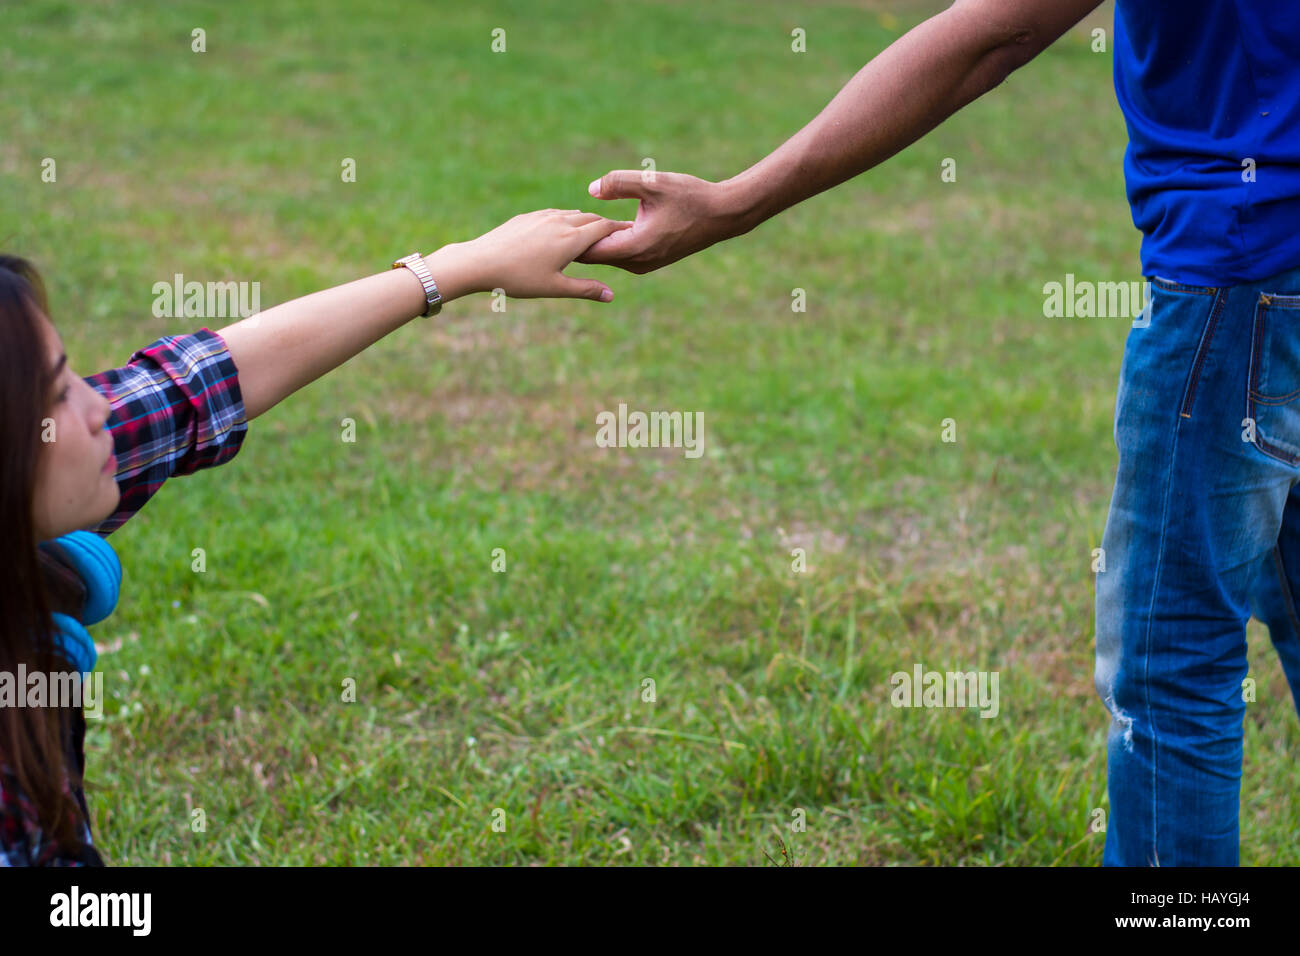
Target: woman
x,y
88,453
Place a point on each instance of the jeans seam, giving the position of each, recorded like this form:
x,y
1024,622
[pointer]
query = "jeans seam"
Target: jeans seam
x,y
1203,346
1146,645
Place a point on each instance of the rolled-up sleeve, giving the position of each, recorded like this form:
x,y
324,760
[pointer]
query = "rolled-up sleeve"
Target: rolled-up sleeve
x,y
177,408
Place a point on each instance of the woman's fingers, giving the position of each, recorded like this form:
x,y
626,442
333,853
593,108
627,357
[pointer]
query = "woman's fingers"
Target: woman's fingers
x,y
597,229
590,228
577,218
532,251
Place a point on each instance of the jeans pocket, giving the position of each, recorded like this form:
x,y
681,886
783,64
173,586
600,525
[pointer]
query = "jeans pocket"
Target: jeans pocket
x,y
1273,393
1185,308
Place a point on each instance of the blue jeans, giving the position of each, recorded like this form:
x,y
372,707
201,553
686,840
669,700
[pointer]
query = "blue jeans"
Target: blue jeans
x,y
1203,531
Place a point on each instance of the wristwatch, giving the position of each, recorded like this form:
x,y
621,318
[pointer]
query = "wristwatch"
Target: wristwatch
x,y
415,262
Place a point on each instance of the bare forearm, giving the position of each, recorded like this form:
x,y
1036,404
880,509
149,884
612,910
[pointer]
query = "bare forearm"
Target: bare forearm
x,y
920,80
908,89
280,350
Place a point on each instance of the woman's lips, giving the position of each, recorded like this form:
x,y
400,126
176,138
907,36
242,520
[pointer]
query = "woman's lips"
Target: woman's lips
x,y
110,466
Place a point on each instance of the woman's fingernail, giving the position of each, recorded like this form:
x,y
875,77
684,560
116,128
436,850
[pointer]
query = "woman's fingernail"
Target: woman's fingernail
x,y
607,295
594,188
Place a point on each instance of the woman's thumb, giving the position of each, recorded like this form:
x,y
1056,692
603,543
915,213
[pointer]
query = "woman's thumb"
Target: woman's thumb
x,y
587,289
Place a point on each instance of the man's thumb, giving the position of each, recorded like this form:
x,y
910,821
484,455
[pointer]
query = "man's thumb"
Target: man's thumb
x,y
619,184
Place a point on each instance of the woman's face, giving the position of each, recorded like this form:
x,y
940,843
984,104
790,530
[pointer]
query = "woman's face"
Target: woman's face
x,y
75,484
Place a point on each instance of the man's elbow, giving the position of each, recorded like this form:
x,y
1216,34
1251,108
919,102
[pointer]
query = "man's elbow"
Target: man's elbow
x,y
1019,49
1013,32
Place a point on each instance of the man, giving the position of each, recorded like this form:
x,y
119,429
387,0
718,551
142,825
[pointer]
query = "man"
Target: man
x,y
1203,526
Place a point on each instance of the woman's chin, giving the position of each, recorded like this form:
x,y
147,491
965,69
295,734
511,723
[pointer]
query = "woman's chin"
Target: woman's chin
x,y
109,501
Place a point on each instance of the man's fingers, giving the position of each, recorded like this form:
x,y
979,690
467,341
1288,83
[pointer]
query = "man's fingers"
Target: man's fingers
x,y
614,248
620,184
597,236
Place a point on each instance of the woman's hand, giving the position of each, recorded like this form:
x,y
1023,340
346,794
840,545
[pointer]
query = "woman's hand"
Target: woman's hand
x,y
525,256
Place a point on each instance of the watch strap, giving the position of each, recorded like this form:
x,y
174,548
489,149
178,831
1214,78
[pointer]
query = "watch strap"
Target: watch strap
x,y
415,262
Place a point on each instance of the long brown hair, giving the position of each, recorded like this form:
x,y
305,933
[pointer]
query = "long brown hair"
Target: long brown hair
x,y
32,739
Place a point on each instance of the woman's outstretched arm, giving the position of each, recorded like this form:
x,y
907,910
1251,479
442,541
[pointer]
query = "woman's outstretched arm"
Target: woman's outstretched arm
x,y
283,348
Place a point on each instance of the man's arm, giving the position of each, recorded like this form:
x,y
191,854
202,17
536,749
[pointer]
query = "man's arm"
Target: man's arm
x,y
911,87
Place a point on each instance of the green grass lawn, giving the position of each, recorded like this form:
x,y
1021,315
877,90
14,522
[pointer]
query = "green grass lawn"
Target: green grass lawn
x,y
522,691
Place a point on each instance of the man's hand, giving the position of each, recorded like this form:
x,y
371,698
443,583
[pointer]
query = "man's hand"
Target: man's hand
x,y
678,215
916,83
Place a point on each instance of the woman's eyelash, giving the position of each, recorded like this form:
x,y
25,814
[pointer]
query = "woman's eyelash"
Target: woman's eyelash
x,y
63,395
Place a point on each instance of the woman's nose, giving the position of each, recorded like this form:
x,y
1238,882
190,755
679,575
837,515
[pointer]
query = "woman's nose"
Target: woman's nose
x,y
103,408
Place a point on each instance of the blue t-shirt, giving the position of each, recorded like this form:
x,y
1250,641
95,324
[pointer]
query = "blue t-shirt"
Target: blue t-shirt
x,y
1206,85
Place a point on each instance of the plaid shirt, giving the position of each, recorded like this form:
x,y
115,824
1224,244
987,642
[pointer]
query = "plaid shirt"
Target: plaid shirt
x,y
177,408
